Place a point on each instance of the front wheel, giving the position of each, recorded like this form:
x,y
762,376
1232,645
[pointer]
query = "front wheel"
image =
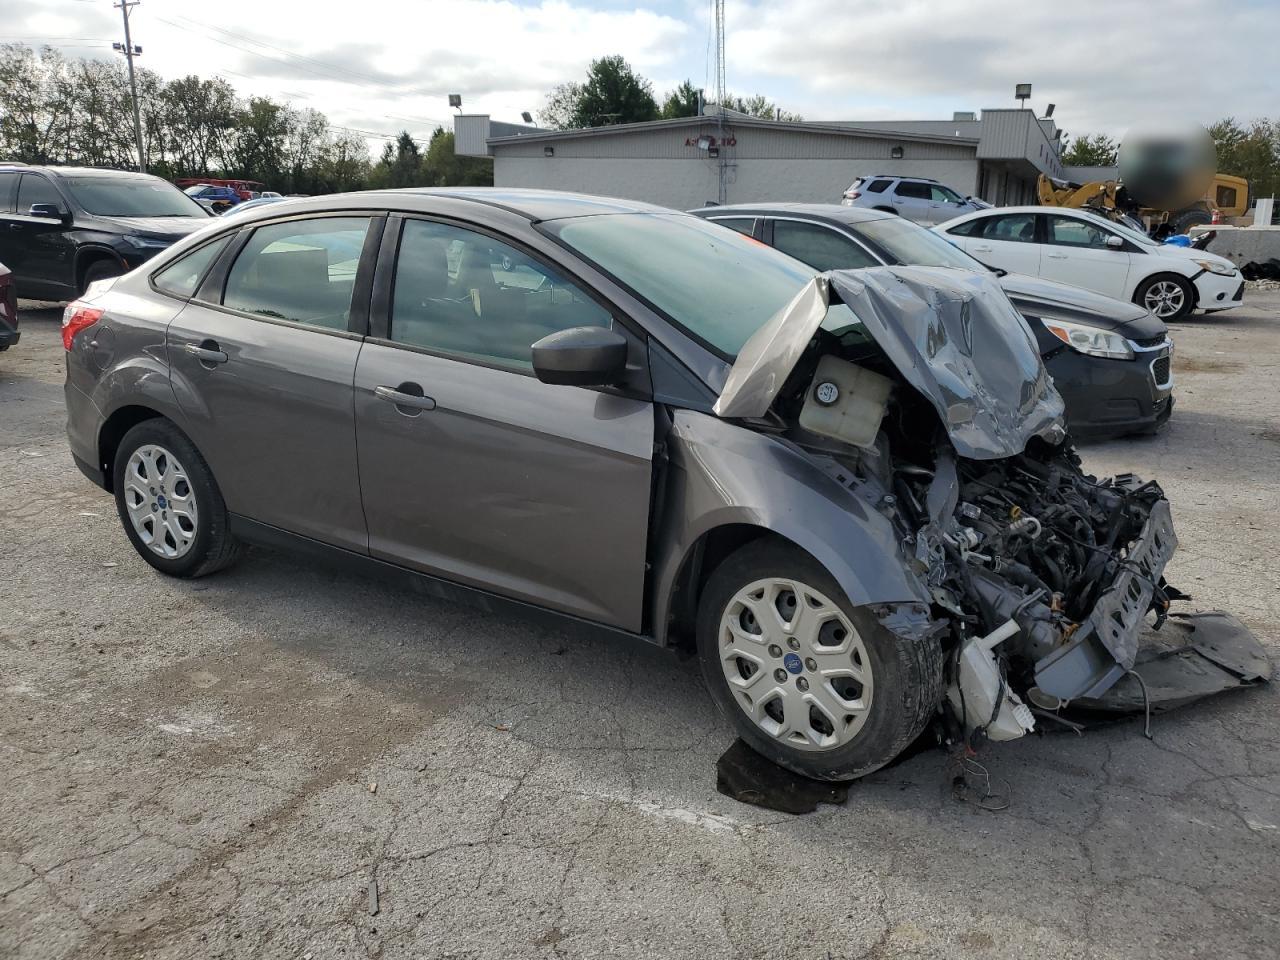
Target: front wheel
x,y
169,503
811,682
1166,296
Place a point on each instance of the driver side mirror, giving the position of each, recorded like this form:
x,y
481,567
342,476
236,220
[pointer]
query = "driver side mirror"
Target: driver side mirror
x,y
1115,243
581,357
49,211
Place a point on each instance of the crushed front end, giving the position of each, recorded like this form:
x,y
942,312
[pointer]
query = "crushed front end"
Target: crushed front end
x,y
922,391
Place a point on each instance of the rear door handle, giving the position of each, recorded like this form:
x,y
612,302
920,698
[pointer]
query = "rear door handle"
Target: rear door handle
x,y
206,352
410,401
1056,256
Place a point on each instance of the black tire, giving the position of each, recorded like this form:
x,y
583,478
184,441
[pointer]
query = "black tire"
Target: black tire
x,y
1188,294
213,547
906,673
1187,219
100,270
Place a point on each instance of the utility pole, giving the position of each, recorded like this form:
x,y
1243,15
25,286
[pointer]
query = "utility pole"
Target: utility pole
x,y
130,51
722,190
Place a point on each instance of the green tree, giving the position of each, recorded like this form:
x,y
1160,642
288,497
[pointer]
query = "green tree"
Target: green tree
x,y
561,106
259,152
1091,150
761,106
683,101
614,93
400,164
442,167
1252,152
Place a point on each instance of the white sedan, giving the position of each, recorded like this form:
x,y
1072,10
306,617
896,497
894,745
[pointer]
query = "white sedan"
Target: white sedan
x,y
1086,250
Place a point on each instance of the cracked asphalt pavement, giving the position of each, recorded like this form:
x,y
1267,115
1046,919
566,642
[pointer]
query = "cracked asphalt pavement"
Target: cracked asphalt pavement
x,y
221,768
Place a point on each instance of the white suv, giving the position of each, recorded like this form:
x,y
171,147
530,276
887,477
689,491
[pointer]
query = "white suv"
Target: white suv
x,y
915,198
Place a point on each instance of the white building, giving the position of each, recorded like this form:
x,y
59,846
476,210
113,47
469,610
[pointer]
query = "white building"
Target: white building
x,y
689,162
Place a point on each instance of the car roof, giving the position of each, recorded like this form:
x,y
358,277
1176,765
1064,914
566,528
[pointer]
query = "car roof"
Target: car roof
x,y
834,212
894,176
89,172
537,204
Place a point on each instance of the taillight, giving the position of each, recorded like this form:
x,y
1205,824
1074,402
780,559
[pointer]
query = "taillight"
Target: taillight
x,y
853,194
75,318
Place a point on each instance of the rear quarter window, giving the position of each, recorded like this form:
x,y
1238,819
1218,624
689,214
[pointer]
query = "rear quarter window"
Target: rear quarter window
x,y
182,277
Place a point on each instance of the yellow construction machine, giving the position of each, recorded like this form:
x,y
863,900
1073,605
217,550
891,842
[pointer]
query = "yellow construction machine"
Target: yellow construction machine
x,y
1226,194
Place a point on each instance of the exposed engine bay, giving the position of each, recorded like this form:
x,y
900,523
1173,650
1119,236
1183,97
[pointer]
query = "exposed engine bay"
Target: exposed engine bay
x,y
927,404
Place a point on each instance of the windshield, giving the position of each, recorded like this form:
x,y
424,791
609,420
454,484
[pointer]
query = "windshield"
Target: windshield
x,y
717,284
903,242
132,197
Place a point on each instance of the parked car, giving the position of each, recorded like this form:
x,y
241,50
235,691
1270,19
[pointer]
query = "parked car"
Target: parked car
x,y
9,334
215,199
1086,250
918,199
65,227
1110,359
636,422
253,204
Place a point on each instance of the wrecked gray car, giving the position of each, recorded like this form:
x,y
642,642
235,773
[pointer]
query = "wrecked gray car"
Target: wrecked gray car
x,y
850,491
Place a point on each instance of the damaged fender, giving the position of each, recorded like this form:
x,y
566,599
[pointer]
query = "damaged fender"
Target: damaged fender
x,y
720,475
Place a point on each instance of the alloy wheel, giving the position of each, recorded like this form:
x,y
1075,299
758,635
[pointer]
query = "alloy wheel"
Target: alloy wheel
x,y
795,664
162,506
1164,298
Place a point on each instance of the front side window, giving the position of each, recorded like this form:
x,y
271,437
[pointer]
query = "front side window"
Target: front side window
x,y
471,296
820,247
1069,232
717,284
943,194
916,191
1012,228
744,225
1226,197
301,270
34,189
183,276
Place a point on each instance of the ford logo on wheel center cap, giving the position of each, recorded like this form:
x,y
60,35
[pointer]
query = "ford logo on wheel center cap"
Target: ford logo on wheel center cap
x,y
793,663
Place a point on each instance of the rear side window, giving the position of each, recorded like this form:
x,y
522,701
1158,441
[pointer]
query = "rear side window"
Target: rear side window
x,y
971,229
183,276
1012,228
744,225
818,246
466,294
36,189
878,186
916,191
302,270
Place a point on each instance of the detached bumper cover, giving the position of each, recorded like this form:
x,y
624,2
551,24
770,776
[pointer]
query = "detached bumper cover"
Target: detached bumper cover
x,y
1105,647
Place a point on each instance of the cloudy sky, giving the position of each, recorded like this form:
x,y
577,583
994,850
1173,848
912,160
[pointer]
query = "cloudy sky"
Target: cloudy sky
x,y
379,66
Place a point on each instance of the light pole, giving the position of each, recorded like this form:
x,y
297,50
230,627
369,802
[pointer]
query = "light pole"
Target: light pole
x,y
130,51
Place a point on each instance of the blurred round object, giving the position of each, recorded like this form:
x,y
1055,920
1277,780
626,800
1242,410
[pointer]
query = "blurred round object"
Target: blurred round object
x,y
1167,168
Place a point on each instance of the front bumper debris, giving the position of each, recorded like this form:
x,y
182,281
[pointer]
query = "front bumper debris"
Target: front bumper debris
x,y
1194,656
1105,647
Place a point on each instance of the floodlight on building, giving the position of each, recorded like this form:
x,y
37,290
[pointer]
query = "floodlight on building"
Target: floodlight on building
x,y
527,117
1049,113
455,101
1022,93
548,151
896,153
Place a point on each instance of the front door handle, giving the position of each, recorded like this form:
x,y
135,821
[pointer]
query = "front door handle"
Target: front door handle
x,y
1056,256
206,352
405,401
981,249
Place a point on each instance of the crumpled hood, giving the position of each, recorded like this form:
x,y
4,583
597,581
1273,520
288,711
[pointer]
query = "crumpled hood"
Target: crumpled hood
x,y
952,334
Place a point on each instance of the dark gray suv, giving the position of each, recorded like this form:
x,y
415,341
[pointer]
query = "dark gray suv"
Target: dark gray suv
x,y
849,490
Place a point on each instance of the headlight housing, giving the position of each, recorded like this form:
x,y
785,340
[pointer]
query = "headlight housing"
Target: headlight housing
x,y
1093,341
1221,269
147,243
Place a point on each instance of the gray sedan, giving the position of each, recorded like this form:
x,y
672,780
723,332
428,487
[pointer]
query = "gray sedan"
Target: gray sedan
x,y
849,491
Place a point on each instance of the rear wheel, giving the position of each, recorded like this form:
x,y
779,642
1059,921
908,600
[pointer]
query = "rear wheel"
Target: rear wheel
x,y
1167,296
169,504
809,681
100,270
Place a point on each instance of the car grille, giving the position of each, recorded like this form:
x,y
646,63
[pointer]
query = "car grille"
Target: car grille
x,y
1150,341
1160,370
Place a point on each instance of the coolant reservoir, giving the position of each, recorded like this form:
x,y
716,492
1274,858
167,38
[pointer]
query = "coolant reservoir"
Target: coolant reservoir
x,y
846,402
